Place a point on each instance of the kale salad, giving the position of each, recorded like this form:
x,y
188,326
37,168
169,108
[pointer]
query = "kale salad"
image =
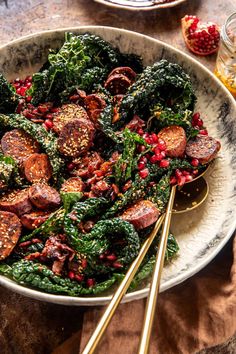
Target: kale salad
x,y
90,147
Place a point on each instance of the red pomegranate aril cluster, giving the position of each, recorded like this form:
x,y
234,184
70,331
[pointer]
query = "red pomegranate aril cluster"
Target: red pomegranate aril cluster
x,y
197,123
194,162
144,173
158,157
203,132
181,177
110,260
22,86
196,120
90,282
73,276
42,114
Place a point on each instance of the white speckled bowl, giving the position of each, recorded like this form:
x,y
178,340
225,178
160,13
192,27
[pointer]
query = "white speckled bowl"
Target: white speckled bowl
x,y
138,5
201,233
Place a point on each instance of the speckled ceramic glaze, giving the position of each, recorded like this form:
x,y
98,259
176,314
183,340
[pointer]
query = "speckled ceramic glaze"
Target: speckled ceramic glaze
x,y
200,233
137,5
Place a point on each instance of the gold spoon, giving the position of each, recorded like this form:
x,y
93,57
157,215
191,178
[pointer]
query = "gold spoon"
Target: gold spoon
x,y
124,285
188,198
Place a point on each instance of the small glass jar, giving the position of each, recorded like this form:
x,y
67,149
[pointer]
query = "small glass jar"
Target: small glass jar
x,y
226,59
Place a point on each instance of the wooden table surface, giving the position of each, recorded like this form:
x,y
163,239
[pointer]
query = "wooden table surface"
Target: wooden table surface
x,y
28,326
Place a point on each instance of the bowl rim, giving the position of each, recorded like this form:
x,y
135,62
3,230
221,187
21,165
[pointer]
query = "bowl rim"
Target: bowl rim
x,y
138,294
140,8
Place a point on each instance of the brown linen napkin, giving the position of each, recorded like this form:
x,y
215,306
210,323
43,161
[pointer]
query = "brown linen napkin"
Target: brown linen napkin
x,y
197,314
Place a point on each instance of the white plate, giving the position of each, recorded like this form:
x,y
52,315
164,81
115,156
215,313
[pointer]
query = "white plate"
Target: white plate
x,y
201,233
137,5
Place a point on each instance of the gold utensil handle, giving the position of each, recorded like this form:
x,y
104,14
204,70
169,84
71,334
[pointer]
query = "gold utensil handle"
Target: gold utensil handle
x,y
155,283
123,287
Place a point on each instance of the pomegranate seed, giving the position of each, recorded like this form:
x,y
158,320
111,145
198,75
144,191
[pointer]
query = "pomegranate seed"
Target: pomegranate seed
x,y
141,148
144,173
18,91
79,277
181,180
195,172
196,116
163,154
42,109
84,263
99,173
188,178
161,144
173,180
90,282
23,91
148,140
195,162
19,107
154,138
49,116
71,275
154,159
178,173
141,165
156,150
185,173
102,256
164,163
203,132
28,114
140,131
48,123
143,159
111,257
28,98
28,78
151,184
28,85
117,265
159,157
70,166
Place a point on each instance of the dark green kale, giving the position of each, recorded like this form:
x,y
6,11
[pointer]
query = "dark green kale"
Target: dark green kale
x,y
127,162
106,126
99,239
38,276
46,139
8,96
162,83
82,62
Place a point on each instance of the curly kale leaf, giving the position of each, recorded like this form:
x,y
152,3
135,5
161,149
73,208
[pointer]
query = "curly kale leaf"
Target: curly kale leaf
x,y
8,96
162,83
39,276
127,161
83,61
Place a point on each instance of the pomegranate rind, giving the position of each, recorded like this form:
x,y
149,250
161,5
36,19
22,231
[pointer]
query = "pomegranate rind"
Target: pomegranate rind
x,y
201,27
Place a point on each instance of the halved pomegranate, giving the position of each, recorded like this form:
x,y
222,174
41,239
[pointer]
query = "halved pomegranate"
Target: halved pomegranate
x,y
201,38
